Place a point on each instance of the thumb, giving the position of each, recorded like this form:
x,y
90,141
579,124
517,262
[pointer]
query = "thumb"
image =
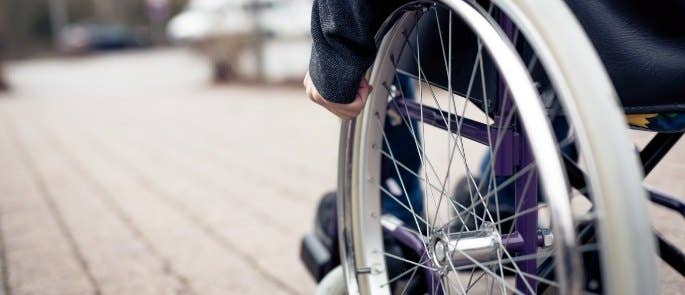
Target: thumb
x,y
364,89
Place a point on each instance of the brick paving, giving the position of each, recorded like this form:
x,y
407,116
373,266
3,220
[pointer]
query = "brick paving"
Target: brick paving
x,y
129,174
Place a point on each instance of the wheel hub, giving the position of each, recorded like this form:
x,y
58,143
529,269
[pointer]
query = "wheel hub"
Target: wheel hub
x,y
463,249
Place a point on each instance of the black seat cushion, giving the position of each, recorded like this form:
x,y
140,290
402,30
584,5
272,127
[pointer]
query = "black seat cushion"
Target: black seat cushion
x,y
642,45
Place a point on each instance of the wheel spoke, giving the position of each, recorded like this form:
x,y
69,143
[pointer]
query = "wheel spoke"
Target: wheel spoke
x,y
413,273
410,270
524,212
416,216
399,276
409,261
534,277
472,284
518,270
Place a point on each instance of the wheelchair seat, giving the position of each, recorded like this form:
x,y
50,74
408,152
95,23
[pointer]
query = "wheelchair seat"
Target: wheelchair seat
x,y
642,45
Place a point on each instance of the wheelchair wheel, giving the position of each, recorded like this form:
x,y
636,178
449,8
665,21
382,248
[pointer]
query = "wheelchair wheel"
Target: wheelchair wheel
x,y
507,94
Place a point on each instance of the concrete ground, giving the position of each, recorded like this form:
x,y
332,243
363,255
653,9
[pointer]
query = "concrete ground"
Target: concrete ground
x,y
130,174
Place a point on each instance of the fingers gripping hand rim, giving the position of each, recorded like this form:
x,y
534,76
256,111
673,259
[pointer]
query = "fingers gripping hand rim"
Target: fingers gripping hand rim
x,y
343,111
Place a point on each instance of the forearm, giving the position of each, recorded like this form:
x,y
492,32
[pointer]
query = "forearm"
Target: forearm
x,y
343,46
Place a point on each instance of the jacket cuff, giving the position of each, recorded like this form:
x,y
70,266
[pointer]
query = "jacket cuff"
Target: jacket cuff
x,y
336,77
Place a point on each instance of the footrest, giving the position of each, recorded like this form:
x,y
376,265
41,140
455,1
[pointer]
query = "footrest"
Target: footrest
x,y
315,256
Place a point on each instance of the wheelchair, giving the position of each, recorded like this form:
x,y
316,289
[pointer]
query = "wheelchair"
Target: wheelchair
x,y
514,172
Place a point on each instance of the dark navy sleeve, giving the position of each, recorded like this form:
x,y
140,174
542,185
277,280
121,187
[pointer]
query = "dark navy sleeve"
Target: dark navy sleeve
x,y
343,45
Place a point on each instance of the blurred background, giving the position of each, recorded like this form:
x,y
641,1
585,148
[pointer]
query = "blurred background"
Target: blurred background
x,y
151,147
166,147
244,40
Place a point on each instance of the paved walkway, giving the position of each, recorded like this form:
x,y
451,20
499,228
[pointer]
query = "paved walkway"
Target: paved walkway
x,y
128,174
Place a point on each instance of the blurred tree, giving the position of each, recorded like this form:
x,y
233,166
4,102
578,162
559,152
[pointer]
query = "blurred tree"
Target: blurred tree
x,y
3,36
3,82
59,15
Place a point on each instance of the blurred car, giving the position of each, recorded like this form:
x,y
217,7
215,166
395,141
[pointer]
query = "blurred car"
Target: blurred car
x,y
86,37
224,30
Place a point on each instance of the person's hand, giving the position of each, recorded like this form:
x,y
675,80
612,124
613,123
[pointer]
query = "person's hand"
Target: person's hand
x,y
344,111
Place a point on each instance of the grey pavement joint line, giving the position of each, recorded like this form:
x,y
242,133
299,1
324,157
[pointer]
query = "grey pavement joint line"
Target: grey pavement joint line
x,y
4,270
45,193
